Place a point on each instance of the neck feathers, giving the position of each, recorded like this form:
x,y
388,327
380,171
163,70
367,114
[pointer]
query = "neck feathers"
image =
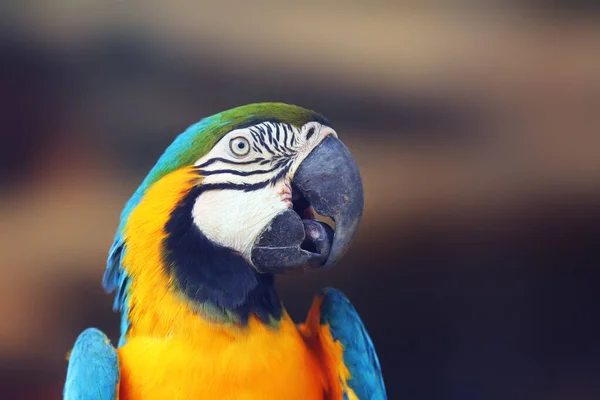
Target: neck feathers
x,y
172,276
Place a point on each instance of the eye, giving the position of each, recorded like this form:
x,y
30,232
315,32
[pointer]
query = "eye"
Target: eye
x,y
239,146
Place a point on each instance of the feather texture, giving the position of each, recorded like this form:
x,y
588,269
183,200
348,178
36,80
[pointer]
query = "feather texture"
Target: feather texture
x,y
342,320
93,371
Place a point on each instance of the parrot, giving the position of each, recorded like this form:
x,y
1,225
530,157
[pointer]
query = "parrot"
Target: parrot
x,y
236,199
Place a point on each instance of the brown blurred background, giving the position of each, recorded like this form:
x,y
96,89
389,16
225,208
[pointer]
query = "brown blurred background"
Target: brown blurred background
x,y
475,124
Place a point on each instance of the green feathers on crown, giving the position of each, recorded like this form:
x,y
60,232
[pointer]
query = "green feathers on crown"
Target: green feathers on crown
x,y
199,138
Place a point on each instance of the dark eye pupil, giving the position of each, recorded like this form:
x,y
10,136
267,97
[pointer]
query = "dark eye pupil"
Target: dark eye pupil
x,y
241,145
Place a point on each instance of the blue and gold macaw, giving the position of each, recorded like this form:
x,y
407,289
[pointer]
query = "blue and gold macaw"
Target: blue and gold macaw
x,y
231,203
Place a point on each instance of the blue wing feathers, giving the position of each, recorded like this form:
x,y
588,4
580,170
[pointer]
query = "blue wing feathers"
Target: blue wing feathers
x,y
93,370
359,353
116,279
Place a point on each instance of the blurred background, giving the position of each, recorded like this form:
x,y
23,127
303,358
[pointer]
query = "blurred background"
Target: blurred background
x,y
475,124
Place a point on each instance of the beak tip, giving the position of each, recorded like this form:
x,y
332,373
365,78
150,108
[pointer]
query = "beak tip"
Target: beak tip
x,y
344,235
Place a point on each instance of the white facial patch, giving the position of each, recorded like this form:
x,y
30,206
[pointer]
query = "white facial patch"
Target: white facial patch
x,y
247,178
234,219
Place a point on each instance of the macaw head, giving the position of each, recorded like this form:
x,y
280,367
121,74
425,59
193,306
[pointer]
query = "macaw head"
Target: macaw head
x,y
263,181
247,184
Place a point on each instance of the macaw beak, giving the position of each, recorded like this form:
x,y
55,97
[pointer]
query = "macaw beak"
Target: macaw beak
x,y
328,182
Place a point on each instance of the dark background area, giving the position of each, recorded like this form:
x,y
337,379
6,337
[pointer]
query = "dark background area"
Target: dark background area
x,y
476,130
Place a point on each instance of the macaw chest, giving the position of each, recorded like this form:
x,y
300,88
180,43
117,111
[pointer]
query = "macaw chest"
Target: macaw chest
x,y
279,368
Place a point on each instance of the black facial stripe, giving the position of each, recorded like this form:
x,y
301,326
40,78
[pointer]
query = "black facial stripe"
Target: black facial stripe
x,y
254,135
292,141
266,146
275,140
310,132
236,172
281,162
270,146
276,146
285,136
267,135
226,161
261,138
244,187
281,173
255,141
247,187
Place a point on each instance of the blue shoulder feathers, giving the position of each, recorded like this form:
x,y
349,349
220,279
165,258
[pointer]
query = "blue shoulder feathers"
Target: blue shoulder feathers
x,y
359,353
93,371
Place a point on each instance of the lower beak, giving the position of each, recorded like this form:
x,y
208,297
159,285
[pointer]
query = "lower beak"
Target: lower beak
x,y
328,180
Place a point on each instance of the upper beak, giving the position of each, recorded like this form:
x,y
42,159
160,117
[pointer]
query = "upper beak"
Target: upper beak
x,y
328,180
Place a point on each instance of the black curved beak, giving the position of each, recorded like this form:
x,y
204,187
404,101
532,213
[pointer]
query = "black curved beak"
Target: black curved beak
x,y
328,181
